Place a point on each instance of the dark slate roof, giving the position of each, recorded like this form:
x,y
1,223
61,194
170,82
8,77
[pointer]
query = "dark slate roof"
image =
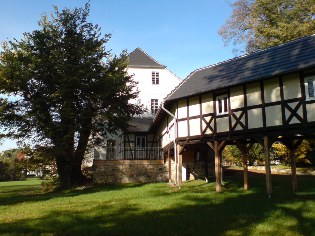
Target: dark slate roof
x,y
139,124
139,58
293,56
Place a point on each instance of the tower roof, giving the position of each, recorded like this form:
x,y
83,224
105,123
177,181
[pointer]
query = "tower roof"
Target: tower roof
x,y
139,58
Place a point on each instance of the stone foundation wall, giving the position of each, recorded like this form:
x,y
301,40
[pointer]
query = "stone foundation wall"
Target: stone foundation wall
x,y
196,170
130,171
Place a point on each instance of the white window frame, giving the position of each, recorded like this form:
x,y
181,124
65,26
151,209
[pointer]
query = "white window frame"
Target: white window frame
x,y
154,105
155,77
223,103
309,91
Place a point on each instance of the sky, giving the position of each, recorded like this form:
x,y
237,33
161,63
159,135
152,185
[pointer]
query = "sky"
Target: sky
x,y
180,34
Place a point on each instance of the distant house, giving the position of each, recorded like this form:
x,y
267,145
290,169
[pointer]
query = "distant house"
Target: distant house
x,y
261,97
155,81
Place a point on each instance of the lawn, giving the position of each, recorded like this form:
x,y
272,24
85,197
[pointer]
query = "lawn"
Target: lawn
x,y
160,209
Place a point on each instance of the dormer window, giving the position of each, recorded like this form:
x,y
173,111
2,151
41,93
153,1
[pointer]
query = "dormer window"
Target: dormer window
x,y
222,104
155,77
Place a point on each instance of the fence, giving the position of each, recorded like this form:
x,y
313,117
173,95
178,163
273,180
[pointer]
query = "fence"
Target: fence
x,y
120,153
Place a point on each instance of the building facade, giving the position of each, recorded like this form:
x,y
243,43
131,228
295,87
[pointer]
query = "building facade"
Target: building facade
x,y
154,82
262,97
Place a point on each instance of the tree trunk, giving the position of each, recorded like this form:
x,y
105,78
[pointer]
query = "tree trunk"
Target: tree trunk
x,y
69,173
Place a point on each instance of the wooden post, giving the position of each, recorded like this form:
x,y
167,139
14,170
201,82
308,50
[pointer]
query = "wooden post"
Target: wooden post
x,y
217,147
245,150
245,166
180,167
293,170
217,160
289,143
206,156
267,165
169,165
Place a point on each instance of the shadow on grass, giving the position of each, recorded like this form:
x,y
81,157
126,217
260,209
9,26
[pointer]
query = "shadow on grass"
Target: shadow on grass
x,y
11,195
233,212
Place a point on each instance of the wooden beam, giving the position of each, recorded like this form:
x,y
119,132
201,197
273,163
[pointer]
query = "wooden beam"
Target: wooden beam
x,y
267,165
292,146
169,165
211,145
180,168
245,150
293,170
217,160
217,148
181,149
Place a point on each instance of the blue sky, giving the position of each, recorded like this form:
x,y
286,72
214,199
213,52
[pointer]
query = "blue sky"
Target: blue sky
x,y
181,34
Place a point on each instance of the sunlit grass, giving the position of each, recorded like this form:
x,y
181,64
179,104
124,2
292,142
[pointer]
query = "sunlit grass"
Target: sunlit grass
x,y
160,209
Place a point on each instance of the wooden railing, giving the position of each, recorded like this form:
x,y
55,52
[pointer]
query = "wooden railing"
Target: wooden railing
x,y
123,153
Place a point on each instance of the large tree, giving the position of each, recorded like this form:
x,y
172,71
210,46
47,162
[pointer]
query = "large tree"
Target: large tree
x,y
62,86
259,24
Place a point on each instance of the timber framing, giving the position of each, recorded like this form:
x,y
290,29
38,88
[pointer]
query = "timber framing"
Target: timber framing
x,y
258,98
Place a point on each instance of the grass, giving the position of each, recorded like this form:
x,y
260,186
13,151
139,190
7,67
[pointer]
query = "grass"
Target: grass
x,y
160,209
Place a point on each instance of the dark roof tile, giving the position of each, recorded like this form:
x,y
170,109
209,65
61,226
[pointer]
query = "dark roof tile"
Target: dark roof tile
x,y
139,58
293,56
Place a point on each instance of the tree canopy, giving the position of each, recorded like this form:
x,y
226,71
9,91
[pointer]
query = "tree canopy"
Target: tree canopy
x,y
259,24
60,88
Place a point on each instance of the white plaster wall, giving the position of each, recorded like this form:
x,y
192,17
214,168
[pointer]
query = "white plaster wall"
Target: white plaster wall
x,y
291,86
182,129
222,124
255,118
194,127
207,103
273,116
310,109
194,107
182,109
147,91
253,94
272,90
237,97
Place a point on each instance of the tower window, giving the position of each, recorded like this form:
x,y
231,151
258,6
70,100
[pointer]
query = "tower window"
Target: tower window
x,y
155,77
154,105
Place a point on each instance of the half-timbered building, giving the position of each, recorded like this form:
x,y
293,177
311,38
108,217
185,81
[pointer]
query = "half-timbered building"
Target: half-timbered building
x,y
262,97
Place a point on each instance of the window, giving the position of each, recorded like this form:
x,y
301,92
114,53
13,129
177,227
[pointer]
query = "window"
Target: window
x,y
154,105
141,142
111,149
155,77
309,87
222,104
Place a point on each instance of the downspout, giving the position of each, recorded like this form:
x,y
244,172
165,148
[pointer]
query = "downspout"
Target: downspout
x,y
175,136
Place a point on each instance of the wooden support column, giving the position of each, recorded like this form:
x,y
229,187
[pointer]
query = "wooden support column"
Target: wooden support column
x,y
206,154
267,165
169,165
293,170
217,147
292,146
245,150
180,166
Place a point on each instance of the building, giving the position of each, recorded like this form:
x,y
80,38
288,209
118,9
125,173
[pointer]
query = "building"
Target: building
x,y
262,97
154,82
